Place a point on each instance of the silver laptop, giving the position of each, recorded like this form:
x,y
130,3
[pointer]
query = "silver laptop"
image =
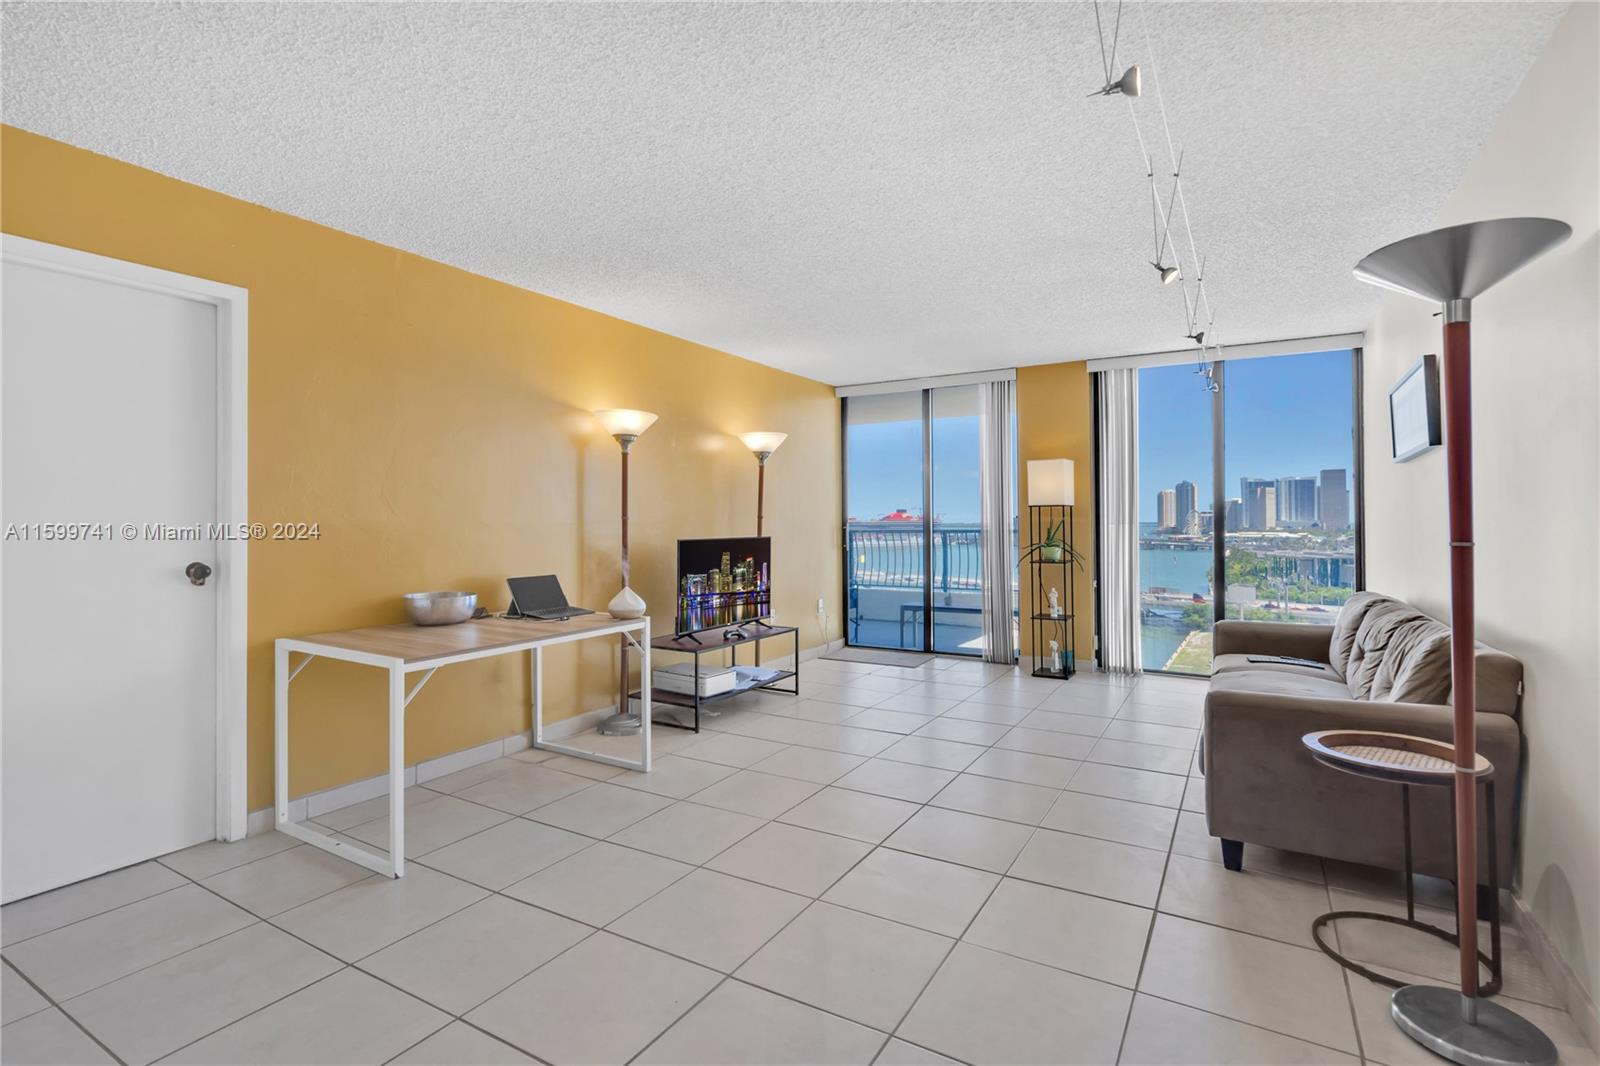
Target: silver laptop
x,y
540,597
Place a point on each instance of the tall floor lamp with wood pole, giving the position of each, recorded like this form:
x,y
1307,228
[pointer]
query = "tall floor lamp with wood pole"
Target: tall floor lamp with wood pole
x,y
625,427
762,444
1452,267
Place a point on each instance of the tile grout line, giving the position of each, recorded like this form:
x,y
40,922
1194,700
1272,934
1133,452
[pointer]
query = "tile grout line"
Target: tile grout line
x,y
97,914
1149,937
64,1012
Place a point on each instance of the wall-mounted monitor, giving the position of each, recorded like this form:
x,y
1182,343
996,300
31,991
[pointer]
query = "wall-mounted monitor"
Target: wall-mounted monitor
x,y
1414,422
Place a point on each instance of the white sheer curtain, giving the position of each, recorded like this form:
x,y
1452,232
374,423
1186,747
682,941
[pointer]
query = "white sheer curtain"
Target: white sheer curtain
x,y
996,405
1119,521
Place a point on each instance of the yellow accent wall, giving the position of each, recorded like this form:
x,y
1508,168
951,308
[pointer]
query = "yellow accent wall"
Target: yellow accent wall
x,y
435,424
1055,420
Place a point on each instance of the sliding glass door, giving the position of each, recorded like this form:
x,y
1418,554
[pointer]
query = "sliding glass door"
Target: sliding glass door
x,y
1247,498
886,555
913,536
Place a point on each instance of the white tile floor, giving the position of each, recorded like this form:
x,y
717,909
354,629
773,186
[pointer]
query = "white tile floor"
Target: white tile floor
x,y
952,862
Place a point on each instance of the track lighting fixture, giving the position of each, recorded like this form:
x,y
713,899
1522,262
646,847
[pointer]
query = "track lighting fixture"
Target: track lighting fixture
x,y
1169,209
1127,85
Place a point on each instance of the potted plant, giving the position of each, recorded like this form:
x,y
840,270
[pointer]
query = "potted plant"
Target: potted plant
x,y
1054,547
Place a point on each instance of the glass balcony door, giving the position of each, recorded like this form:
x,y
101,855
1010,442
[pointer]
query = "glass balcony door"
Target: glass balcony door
x,y
913,533
886,535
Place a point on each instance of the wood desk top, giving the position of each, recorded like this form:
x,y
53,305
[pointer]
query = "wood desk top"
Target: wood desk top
x,y
420,644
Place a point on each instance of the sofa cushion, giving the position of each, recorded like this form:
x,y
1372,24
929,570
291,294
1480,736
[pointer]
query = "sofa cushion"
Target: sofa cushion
x,y
1416,667
1350,618
1279,683
1223,664
1399,653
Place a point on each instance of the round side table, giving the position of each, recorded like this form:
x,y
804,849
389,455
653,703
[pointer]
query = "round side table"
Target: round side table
x,y
1406,761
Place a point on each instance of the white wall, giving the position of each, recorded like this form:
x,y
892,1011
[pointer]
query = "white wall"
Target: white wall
x,y
1536,382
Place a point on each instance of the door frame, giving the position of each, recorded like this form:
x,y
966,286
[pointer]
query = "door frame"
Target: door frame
x,y
232,305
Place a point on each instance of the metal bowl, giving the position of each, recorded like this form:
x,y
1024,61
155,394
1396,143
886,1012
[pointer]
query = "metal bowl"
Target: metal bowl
x,y
440,608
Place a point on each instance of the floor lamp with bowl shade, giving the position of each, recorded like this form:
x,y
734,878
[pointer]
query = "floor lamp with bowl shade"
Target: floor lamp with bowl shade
x,y
762,444
1451,267
625,427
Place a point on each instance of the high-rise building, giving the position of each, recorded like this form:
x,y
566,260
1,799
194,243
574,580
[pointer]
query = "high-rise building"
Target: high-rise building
x,y
1297,502
1233,518
1166,510
1333,504
1261,506
1260,498
1188,501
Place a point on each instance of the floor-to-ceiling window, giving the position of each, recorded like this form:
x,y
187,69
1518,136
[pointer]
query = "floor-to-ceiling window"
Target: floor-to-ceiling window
x,y
1176,556
1259,477
913,535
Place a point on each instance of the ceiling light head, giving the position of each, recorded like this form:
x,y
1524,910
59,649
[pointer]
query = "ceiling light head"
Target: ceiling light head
x,y
625,425
1168,274
763,444
1199,337
1127,85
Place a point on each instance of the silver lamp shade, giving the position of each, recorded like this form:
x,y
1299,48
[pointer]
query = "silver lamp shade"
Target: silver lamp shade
x,y
1461,262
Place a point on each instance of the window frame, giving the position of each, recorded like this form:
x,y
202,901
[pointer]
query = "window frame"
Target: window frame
x,y
1219,606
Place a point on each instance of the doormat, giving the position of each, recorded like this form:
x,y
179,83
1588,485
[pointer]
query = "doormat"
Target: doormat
x,y
880,656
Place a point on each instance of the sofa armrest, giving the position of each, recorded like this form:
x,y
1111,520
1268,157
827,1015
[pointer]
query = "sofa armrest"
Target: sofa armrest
x,y
1273,638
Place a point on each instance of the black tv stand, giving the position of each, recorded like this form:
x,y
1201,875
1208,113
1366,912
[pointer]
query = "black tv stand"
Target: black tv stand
x,y
691,644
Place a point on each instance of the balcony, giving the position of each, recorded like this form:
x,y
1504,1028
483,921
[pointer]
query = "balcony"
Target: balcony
x,y
884,586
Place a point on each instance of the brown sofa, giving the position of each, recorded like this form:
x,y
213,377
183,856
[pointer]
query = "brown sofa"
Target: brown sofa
x,y
1382,665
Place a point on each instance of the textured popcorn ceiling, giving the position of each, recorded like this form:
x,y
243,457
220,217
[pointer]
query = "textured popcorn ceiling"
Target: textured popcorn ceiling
x,y
854,192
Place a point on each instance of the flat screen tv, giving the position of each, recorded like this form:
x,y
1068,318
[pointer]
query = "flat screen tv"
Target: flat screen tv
x,y
723,581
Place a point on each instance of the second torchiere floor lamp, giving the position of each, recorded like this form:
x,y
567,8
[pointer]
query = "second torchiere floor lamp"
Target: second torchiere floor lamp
x,y
1451,267
762,445
625,427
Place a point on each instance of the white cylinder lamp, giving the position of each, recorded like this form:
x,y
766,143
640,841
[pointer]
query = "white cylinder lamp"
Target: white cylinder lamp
x,y
1050,483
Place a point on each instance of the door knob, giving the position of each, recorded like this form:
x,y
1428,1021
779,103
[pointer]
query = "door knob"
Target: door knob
x,y
197,572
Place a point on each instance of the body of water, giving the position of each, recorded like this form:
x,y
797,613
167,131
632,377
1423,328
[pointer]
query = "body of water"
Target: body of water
x,y
1181,570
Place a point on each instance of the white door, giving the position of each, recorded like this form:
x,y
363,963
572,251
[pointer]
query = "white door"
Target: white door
x,y
108,691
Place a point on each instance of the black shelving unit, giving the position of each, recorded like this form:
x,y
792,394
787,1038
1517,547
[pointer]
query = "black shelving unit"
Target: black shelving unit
x,y
1048,573
728,639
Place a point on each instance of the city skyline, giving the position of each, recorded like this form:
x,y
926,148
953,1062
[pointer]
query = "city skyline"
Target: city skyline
x,y
1283,416
1290,502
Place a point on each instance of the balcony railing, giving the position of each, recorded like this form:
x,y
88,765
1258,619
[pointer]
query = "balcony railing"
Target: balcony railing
x,y
889,555
885,584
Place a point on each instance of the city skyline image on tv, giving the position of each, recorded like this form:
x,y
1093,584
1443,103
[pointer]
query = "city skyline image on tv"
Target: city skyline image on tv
x,y
723,581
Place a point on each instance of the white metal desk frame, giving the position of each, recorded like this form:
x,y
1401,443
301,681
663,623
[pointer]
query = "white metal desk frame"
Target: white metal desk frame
x,y
635,631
